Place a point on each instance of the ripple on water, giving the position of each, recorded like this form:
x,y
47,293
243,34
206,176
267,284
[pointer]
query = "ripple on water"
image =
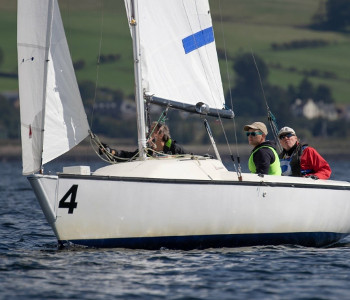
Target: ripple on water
x,y
32,265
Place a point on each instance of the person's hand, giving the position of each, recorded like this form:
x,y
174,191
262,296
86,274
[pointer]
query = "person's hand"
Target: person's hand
x,y
104,148
311,176
152,143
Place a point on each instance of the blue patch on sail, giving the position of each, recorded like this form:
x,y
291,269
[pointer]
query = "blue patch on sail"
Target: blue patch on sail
x,y
197,40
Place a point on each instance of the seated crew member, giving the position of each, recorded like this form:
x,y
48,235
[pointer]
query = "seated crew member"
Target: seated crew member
x,y
301,160
159,141
263,158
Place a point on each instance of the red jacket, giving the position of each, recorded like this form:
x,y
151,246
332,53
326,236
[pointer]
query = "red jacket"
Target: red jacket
x,y
312,160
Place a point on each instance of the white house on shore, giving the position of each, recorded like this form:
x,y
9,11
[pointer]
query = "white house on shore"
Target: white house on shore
x,y
313,110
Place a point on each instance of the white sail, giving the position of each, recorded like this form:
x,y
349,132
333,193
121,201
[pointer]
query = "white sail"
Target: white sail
x,y
178,52
53,119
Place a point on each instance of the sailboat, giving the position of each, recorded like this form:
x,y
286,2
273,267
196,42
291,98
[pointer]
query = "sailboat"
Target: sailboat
x,y
176,202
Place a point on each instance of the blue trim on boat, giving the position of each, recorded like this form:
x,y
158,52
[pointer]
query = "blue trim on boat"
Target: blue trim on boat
x,y
309,239
198,39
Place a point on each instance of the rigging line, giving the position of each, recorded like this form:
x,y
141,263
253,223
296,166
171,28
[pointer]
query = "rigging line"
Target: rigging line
x,y
67,8
161,119
69,21
230,93
271,118
94,139
261,85
226,60
109,157
114,159
98,62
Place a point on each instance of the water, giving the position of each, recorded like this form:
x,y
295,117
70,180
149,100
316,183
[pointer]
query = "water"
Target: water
x,y
32,267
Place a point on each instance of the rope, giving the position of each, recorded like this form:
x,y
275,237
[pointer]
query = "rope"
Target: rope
x,y
161,119
94,140
273,124
237,169
69,26
271,118
112,159
98,63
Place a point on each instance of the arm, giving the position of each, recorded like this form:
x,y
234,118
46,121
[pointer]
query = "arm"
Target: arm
x,y
119,156
312,160
174,148
178,149
125,154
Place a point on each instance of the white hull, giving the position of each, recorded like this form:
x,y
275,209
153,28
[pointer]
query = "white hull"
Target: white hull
x,y
190,203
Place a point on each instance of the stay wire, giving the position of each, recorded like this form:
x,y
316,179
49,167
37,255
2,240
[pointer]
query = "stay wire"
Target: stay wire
x,y
98,61
239,169
69,26
161,119
271,118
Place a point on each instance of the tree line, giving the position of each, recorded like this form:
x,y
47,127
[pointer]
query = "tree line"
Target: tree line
x,y
250,94
249,98
332,15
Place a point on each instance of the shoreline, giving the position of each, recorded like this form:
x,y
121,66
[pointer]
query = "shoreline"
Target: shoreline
x,y
11,150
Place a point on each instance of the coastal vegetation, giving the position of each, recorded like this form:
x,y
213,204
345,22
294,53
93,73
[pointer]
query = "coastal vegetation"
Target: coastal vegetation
x,y
300,53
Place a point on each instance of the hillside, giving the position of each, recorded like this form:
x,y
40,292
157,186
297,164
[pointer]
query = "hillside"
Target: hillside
x,y
247,26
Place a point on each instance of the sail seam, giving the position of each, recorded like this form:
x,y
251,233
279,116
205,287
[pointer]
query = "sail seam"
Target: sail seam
x,y
32,46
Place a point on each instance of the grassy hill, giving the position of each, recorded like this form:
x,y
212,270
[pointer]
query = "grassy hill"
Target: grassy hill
x,y
246,26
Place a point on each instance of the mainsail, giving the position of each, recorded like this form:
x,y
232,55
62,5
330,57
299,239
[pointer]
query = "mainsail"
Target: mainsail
x,y
53,119
178,53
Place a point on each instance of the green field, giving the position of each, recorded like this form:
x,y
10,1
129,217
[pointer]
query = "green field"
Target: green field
x,y
247,26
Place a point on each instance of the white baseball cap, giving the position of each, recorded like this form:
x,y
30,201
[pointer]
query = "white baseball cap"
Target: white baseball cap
x,y
285,130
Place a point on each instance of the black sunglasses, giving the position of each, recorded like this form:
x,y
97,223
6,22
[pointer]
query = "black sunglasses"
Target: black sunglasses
x,y
254,133
288,135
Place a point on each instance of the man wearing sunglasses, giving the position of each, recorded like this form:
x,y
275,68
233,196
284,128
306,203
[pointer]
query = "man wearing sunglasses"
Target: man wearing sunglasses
x,y
301,160
263,158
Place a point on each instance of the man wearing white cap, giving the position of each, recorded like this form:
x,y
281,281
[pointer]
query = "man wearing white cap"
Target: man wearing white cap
x,y
301,160
263,158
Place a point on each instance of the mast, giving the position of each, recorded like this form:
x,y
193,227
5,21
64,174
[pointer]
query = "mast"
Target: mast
x,y
141,127
47,61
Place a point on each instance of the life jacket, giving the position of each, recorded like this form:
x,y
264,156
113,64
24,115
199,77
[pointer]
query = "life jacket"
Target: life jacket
x,y
274,169
285,166
168,143
167,147
290,165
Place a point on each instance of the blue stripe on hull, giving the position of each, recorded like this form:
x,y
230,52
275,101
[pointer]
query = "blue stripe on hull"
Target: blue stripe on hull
x,y
310,239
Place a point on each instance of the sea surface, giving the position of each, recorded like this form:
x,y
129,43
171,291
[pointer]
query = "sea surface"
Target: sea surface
x,y
32,266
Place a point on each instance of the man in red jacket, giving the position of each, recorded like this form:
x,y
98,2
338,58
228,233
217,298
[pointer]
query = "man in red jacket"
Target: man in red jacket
x,y
301,160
